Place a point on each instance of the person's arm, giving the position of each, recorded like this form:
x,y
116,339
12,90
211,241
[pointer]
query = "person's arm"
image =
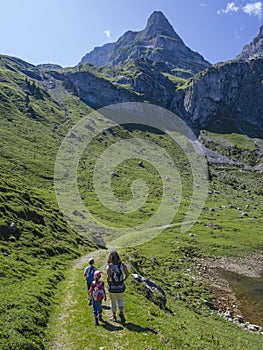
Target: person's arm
x,y
90,292
85,271
105,296
126,272
108,273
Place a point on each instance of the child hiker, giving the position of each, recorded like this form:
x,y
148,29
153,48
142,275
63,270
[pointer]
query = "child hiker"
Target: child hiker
x,y
97,293
89,274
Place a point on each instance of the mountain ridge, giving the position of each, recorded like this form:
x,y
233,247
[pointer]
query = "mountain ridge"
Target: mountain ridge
x,y
157,41
254,49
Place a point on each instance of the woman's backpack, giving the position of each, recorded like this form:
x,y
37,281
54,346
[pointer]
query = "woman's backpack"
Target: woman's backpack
x,y
116,281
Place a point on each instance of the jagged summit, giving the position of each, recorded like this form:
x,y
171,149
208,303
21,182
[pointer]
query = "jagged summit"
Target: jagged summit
x,y
158,42
158,24
254,49
158,18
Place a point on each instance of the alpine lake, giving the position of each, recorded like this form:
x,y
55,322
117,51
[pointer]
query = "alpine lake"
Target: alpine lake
x,y
249,293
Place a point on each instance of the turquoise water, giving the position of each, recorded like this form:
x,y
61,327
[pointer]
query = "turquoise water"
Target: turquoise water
x,y
249,293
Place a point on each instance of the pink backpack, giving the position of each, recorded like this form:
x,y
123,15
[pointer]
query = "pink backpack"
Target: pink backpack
x,y
98,290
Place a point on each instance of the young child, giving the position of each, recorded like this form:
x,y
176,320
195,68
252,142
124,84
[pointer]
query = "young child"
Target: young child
x,y
89,274
97,293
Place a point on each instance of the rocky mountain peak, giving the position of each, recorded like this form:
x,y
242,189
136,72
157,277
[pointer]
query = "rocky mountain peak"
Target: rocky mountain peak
x,y
254,49
158,42
158,18
158,24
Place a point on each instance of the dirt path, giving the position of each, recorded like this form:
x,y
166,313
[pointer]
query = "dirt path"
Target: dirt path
x,y
62,341
71,326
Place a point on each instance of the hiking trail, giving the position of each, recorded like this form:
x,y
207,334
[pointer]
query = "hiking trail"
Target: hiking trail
x,y
75,315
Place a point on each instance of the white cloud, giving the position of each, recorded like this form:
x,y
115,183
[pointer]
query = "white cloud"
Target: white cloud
x,y
253,9
107,33
230,8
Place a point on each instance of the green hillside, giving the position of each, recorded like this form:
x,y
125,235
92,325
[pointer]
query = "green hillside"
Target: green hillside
x,y
35,241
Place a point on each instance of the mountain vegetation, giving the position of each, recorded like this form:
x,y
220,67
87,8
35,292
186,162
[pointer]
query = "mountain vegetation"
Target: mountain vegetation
x,y
43,296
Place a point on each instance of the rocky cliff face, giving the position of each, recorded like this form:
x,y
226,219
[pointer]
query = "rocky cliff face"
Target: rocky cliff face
x,y
157,42
227,97
94,91
98,55
254,49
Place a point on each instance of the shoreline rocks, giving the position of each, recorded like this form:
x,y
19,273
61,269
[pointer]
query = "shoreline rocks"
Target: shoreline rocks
x,y
226,304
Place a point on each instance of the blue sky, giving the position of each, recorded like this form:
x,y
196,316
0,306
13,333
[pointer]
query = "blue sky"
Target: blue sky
x,y
62,31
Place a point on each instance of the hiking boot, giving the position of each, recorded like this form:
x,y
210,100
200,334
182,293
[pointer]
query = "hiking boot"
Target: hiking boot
x,y
123,319
100,317
113,318
96,321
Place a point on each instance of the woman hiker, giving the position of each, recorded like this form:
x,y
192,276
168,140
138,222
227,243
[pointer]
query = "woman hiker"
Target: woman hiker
x,y
117,273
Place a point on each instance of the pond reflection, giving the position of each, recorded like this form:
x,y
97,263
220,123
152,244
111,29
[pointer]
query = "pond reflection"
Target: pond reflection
x,y
249,293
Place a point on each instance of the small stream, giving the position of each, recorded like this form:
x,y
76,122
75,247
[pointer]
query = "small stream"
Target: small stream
x,y
249,293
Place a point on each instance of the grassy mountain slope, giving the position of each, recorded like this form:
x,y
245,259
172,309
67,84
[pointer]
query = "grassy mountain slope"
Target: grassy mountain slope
x,y
233,189
35,241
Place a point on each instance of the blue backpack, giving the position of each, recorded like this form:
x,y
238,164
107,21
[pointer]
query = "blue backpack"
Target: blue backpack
x,y
90,273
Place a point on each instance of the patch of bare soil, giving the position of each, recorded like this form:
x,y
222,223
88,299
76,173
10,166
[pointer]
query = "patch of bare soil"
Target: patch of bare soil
x,y
210,271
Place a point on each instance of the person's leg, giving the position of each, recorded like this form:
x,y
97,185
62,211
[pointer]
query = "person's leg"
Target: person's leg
x,y
113,300
100,309
95,311
121,306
